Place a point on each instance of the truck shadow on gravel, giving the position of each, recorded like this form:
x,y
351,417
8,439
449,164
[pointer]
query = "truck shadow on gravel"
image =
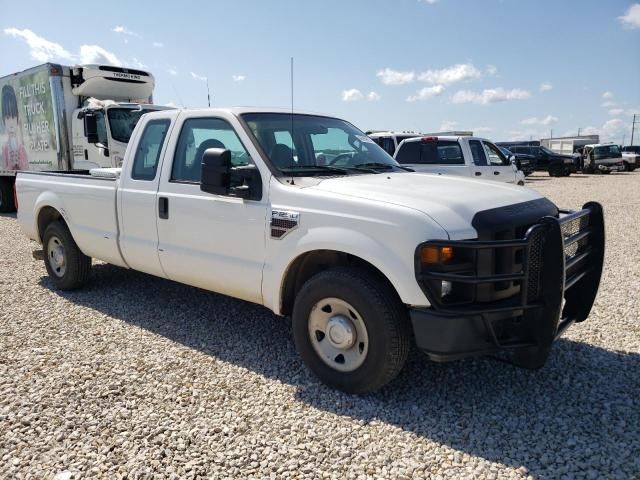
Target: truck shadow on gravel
x,y
578,414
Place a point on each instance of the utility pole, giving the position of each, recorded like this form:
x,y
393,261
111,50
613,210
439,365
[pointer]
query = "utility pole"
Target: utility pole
x,y
578,131
633,127
551,136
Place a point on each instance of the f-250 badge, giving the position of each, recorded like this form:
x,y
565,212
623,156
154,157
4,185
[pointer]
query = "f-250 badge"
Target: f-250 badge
x,y
282,222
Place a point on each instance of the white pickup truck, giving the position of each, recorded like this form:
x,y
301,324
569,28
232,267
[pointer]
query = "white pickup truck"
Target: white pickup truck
x,y
462,156
307,216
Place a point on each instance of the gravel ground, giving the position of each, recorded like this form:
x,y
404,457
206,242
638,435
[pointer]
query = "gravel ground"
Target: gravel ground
x,y
139,377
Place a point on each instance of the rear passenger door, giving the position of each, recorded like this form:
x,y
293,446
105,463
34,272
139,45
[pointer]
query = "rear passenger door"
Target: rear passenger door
x,y
137,197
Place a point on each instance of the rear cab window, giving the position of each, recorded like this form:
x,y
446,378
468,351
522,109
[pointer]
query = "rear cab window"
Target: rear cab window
x,y
438,152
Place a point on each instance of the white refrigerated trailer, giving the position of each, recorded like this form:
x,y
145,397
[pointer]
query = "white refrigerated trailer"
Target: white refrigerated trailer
x,y
60,118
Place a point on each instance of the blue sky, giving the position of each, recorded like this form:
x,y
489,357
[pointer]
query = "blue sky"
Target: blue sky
x,y
506,69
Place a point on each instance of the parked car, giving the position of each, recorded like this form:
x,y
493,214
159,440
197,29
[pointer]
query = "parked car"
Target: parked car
x,y
366,257
558,165
389,141
522,161
601,158
464,156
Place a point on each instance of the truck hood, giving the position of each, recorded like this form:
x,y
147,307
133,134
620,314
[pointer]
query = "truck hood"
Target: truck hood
x,y
450,201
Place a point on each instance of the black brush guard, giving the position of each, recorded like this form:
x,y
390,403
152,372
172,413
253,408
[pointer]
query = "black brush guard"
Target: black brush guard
x,y
555,282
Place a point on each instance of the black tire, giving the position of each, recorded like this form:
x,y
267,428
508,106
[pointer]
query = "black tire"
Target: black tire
x,y
627,167
77,266
383,314
605,172
532,358
554,172
7,204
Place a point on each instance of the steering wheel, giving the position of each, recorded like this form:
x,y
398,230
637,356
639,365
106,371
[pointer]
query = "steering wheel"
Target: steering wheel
x,y
336,159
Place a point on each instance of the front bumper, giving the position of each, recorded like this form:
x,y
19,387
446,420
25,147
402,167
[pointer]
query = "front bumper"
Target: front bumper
x,y
611,168
555,285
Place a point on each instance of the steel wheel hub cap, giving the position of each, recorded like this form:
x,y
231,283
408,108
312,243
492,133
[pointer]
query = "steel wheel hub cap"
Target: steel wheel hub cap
x,y
341,332
57,259
338,334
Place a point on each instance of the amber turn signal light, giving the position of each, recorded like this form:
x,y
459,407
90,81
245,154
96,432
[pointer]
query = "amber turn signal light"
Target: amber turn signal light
x,y
432,254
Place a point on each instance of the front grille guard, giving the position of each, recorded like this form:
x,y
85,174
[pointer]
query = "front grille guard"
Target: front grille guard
x,y
561,269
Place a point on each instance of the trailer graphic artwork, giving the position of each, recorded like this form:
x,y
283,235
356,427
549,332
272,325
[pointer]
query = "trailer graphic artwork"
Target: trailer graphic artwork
x,y
27,130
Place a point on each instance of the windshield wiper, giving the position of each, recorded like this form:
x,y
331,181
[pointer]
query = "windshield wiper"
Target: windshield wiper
x,y
343,171
386,166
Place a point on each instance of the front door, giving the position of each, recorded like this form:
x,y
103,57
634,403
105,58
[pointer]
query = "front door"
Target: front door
x,y
490,163
214,242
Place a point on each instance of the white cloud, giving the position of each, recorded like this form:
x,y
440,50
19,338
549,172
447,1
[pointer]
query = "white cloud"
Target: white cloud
x,y
42,49
546,86
455,73
373,96
238,78
352,95
125,31
394,77
481,129
172,72
607,95
157,44
491,95
447,125
430,2
616,111
492,70
198,77
608,104
138,64
96,54
546,121
426,93
632,18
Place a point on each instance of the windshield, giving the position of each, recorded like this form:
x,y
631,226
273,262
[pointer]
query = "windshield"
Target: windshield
x,y
547,151
314,145
122,121
607,151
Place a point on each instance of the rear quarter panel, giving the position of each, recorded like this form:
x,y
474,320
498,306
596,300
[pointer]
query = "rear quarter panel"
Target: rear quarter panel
x,y
87,205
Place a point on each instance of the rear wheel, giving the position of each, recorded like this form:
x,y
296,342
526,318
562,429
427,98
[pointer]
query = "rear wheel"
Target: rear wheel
x,y
67,266
627,167
6,195
351,330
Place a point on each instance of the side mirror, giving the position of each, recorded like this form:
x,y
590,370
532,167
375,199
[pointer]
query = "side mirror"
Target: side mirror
x,y
91,128
216,171
512,158
219,177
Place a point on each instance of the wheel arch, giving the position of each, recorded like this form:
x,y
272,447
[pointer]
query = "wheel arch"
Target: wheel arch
x,y
312,262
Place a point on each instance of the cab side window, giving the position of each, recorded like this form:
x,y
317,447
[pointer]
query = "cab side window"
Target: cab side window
x,y
196,136
145,162
494,155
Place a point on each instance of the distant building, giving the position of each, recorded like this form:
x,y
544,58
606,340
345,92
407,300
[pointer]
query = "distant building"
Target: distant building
x,y
569,145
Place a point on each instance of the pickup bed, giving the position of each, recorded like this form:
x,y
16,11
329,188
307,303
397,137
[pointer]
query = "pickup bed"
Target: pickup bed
x,y
307,216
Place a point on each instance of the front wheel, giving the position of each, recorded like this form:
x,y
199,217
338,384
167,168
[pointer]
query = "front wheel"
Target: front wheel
x,y
67,266
351,330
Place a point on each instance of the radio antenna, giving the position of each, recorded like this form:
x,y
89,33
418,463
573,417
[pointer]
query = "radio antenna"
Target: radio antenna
x,y
208,95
